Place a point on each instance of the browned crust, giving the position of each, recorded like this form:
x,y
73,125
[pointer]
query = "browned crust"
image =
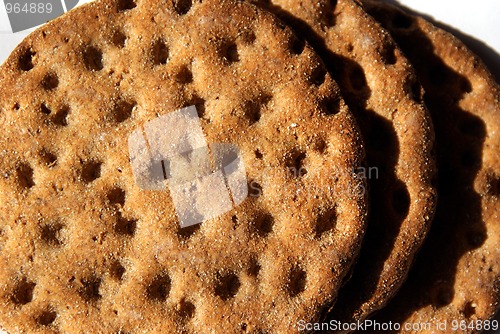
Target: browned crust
x,y
457,275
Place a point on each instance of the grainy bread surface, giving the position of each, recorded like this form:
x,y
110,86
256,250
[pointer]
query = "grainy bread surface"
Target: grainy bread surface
x,y
84,249
457,274
381,88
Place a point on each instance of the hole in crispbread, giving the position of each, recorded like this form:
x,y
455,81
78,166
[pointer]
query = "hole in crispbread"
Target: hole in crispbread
x,y
188,231
159,52
92,58
181,7
26,60
227,286
469,309
199,103
402,21
326,222
254,189
258,154
389,55
184,75
229,52
16,106
186,309
46,318
23,292
296,45
91,170
296,281
263,224
61,116
50,81
319,145
247,37
331,105
118,39
401,201
122,110
254,267
116,195
44,109
295,163
318,76
123,5
125,226
89,289
51,234
330,17
493,184
159,288
25,176
117,270
252,109
48,158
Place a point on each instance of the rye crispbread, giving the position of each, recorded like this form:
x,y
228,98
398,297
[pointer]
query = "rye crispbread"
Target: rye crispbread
x,y
380,87
457,274
84,249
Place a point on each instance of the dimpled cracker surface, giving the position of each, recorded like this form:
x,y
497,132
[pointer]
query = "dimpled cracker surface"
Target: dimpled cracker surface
x,y
85,250
380,87
457,275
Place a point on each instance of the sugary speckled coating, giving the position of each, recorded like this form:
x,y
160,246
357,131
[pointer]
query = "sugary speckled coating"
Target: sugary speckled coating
x,y
457,274
84,249
380,87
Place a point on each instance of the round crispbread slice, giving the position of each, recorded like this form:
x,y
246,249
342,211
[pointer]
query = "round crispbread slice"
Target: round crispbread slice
x,y
381,88
456,277
84,249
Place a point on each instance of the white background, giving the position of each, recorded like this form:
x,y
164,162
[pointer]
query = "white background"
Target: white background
x,y
477,19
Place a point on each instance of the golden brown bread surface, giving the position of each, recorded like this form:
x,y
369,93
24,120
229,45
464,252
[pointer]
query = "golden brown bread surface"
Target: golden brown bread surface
x,y
457,274
84,249
380,87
